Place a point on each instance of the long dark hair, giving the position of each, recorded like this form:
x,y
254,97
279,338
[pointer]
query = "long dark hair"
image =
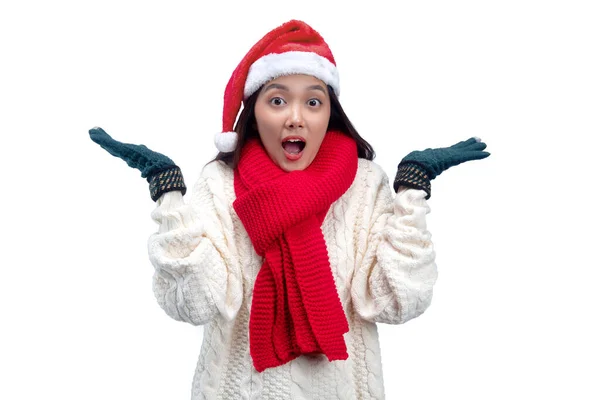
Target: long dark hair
x,y
246,129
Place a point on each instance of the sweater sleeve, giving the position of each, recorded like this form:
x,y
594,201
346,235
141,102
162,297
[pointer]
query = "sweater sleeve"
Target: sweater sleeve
x,y
196,278
394,278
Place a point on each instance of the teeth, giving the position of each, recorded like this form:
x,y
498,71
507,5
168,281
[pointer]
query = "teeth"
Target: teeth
x,y
294,140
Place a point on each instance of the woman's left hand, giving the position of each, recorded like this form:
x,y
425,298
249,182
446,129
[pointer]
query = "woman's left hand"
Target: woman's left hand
x,y
419,167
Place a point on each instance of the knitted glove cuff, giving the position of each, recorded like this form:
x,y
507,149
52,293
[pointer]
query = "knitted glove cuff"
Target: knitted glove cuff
x,y
166,180
414,176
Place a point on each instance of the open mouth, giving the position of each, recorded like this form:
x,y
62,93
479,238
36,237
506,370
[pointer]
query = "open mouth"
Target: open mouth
x,y
293,147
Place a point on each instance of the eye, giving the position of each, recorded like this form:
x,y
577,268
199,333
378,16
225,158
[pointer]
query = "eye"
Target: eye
x,y
277,101
314,102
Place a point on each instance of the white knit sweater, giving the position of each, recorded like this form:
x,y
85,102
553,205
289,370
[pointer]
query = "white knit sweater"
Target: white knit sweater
x,y
381,256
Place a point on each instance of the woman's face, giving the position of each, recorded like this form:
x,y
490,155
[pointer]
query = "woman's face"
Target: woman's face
x,y
292,113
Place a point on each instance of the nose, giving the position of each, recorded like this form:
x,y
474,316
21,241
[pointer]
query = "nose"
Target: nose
x,y
295,117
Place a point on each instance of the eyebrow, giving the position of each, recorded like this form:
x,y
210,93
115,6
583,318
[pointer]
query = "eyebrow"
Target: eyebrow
x,y
283,87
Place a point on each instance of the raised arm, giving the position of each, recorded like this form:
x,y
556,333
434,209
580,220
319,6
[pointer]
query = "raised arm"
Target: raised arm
x,y
394,278
196,277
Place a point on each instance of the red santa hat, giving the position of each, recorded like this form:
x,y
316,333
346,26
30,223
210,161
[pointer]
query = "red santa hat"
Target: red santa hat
x,y
292,48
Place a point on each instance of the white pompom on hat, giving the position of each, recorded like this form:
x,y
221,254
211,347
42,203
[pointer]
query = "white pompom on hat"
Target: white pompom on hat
x,y
291,48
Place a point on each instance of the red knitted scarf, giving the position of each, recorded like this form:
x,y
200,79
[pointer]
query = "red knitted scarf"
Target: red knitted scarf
x,y
295,306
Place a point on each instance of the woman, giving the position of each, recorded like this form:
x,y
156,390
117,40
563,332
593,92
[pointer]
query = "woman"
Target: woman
x,y
292,246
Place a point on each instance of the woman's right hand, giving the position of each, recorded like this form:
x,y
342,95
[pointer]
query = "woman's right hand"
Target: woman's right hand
x,y
159,170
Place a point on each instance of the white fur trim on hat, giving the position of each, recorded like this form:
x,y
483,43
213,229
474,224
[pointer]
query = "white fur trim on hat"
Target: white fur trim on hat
x,y
226,141
274,65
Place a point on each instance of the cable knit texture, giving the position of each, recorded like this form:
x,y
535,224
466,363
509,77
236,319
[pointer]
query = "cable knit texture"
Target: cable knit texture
x,y
295,307
381,258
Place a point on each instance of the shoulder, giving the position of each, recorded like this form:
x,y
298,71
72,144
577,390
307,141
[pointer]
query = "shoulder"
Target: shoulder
x,y
370,174
215,184
216,176
369,196
217,170
371,186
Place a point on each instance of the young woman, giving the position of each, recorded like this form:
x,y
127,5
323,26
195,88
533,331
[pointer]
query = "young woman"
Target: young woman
x,y
292,246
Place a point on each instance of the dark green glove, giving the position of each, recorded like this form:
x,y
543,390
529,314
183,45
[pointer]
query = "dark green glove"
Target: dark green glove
x,y
159,170
419,168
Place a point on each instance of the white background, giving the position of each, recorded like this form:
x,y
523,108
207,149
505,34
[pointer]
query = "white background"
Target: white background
x,y
515,311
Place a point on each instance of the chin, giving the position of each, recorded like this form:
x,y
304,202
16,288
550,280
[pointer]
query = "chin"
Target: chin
x,y
287,167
